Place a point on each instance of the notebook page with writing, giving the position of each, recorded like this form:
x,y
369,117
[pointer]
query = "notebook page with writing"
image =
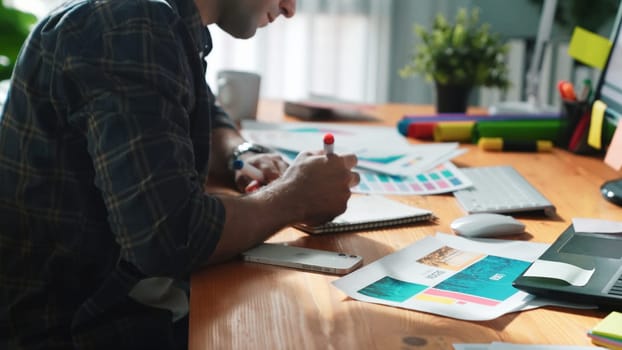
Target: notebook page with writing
x,y
371,212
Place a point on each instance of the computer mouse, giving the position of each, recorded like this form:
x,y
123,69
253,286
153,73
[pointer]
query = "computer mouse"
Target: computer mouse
x,y
487,225
612,191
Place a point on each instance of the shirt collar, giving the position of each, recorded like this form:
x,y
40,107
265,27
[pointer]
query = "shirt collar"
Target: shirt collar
x,y
189,14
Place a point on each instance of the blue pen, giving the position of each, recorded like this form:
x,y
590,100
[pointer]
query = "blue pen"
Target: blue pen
x,y
248,170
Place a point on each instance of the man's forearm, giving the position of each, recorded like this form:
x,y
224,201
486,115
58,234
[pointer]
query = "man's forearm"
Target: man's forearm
x,y
224,140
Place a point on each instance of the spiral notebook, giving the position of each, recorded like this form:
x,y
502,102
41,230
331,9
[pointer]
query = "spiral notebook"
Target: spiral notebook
x,y
371,212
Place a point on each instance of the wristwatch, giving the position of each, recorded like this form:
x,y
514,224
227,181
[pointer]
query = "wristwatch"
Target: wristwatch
x,y
246,147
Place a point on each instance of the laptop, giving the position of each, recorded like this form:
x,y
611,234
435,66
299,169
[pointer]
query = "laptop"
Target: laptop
x,y
609,91
599,251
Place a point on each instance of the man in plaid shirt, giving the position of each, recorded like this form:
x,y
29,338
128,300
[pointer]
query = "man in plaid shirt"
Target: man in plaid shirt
x,y
107,139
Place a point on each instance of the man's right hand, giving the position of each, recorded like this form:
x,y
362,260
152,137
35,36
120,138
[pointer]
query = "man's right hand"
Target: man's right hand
x,y
313,190
317,186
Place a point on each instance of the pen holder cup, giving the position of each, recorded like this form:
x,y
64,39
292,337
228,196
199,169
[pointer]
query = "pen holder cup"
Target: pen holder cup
x,y
571,115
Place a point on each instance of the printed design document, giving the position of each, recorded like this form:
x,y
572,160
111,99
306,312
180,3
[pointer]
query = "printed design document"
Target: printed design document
x,y
448,275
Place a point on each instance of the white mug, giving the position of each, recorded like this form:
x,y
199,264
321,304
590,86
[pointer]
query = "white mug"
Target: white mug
x,y
238,93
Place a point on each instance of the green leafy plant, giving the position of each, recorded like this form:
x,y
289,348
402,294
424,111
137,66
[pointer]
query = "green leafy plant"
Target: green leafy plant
x,y
461,53
14,28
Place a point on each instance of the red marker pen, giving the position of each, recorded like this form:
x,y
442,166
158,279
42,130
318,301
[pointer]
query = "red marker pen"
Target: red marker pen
x,y
252,186
566,90
329,143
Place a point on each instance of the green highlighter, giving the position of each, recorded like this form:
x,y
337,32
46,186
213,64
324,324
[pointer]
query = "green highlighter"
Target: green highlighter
x,y
519,130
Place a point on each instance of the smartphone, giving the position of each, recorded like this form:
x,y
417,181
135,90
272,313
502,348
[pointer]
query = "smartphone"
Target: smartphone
x,y
303,258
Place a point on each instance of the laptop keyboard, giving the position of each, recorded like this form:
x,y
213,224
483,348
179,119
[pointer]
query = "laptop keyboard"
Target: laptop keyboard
x,y
500,189
616,289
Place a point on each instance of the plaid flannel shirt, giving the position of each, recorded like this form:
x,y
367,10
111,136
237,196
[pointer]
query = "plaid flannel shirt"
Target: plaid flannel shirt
x,y
104,148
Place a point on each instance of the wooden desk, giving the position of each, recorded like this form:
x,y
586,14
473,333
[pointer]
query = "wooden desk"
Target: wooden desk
x,y
241,305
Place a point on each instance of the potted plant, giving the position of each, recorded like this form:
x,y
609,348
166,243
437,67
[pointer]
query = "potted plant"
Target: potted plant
x,y
457,57
14,28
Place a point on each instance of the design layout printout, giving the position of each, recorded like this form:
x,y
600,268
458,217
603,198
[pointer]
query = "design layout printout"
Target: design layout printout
x,y
448,275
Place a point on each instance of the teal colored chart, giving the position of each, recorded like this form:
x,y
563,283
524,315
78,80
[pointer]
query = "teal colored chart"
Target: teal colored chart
x,y
489,278
391,289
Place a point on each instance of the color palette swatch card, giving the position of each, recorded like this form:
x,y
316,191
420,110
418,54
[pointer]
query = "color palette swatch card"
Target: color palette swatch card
x,y
443,178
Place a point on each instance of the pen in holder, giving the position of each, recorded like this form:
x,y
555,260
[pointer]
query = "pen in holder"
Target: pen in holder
x,y
575,128
572,113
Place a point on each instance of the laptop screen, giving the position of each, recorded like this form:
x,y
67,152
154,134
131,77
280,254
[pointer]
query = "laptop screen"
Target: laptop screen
x,y
610,85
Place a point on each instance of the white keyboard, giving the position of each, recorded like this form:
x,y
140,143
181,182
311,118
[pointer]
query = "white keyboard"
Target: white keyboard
x,y
501,189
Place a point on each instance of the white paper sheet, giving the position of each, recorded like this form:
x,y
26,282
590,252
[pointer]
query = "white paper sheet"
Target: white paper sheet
x,y
596,225
510,346
378,148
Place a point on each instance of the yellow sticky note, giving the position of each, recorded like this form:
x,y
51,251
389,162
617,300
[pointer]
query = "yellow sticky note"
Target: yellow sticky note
x,y
589,48
610,326
613,158
594,137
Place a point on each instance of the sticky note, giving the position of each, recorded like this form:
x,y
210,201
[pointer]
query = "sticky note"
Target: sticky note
x,y
613,158
589,48
610,326
594,136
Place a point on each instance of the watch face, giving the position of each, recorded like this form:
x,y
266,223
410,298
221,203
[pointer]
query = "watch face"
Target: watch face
x,y
245,147
242,148
259,149
249,147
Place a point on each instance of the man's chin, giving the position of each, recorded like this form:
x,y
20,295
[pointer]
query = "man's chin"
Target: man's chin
x,y
245,35
241,34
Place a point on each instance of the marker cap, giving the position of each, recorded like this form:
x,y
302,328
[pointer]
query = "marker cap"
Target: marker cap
x,y
329,139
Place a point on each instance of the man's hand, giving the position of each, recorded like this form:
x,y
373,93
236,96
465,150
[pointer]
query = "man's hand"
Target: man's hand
x,y
270,165
317,186
313,190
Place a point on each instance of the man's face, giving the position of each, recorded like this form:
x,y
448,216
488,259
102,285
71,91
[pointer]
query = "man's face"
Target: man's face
x,y
241,18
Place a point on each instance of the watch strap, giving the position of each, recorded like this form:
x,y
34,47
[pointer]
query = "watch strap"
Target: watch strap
x,y
246,147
